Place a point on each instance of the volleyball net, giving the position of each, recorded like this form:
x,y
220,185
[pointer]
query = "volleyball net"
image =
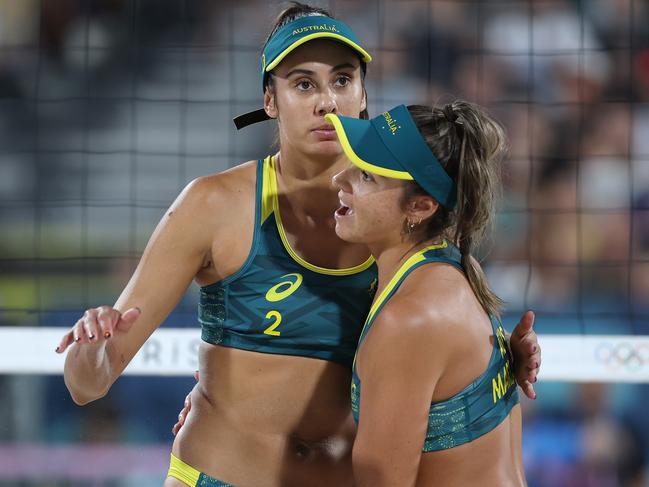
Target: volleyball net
x,y
110,108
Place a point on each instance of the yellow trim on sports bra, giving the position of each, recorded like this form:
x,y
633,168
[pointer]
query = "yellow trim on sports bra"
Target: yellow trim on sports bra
x,y
266,189
183,472
411,261
272,193
352,156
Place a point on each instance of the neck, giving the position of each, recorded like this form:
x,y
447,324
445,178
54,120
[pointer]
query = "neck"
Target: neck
x,y
305,182
390,257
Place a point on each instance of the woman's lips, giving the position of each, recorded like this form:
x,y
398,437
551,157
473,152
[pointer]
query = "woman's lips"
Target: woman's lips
x,y
325,132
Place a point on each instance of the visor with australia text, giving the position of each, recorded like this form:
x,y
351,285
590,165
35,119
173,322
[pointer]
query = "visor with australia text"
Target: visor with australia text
x,y
391,145
293,35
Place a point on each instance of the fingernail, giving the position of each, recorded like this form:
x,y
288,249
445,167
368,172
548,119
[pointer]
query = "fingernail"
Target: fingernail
x,y
77,339
57,349
107,335
91,337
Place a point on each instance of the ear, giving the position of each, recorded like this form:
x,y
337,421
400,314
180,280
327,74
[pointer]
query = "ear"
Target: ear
x,y
422,207
364,100
270,107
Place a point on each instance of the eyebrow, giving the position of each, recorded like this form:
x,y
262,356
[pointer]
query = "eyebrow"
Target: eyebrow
x,y
344,66
308,72
300,71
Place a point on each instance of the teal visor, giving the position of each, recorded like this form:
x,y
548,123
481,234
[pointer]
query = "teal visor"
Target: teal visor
x,y
391,145
290,37
302,30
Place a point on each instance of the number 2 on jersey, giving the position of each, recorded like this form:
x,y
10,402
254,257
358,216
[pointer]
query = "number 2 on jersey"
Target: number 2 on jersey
x,y
278,319
280,292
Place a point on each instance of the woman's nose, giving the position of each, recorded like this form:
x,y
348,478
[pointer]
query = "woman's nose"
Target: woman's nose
x,y
326,103
340,180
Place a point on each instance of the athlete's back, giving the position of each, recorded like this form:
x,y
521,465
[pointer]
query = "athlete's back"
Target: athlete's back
x,y
493,456
471,434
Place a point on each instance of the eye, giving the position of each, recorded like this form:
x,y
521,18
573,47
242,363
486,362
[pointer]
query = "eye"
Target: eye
x,y
304,85
342,81
365,176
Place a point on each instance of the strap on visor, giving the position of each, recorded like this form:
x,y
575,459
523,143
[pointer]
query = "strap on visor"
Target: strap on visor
x,y
250,118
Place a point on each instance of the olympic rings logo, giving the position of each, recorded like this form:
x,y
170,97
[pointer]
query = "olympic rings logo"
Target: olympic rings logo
x,y
631,356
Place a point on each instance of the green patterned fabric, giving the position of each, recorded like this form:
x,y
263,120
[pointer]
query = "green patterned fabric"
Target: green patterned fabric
x,y
276,304
478,408
207,481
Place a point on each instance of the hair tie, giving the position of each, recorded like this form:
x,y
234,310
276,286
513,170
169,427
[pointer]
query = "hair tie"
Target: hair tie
x,y
451,115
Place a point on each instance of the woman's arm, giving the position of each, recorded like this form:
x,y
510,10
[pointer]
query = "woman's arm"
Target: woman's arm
x,y
398,377
105,339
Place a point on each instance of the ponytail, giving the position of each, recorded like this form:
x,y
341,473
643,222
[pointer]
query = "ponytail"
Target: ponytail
x,y
470,145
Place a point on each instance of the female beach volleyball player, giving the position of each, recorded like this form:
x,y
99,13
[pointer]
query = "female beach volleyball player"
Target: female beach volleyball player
x,y
432,386
281,295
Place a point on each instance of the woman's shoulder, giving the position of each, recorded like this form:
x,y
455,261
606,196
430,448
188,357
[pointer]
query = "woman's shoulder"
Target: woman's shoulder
x,y
235,179
412,322
227,187
216,198
436,288
430,302
433,309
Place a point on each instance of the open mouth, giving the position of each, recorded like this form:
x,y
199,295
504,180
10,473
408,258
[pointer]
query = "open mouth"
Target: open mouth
x,y
344,211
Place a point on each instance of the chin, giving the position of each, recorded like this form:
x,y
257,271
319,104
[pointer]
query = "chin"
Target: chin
x,y
347,234
328,148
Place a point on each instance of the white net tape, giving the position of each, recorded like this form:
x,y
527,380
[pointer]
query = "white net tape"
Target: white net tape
x,y
173,352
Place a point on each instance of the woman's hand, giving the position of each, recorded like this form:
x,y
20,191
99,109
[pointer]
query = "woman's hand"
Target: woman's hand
x,y
524,344
97,325
182,416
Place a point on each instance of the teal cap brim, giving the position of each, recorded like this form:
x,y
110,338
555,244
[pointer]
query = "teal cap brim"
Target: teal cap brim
x,y
391,145
305,29
363,146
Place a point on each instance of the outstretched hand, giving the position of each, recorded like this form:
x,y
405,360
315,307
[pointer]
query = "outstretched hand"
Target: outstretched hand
x,y
525,348
97,325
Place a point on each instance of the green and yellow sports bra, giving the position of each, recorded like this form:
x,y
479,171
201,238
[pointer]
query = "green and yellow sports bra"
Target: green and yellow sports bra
x,y
277,302
479,407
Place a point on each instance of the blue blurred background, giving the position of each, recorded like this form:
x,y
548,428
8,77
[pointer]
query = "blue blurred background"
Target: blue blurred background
x,y
108,108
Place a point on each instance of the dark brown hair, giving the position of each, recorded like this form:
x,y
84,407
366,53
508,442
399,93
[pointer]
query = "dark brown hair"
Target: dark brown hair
x,y
470,145
295,11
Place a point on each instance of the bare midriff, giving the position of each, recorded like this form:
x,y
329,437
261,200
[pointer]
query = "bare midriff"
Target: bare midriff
x,y
268,420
